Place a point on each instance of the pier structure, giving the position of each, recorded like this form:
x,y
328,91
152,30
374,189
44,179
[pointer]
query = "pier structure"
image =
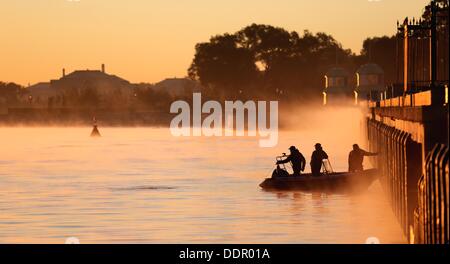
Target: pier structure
x,y
408,126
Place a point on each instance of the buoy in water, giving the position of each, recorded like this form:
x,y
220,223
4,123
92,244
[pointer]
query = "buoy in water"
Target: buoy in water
x,y
95,132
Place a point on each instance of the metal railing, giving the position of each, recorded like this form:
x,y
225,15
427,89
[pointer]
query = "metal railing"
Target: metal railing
x,y
432,213
399,163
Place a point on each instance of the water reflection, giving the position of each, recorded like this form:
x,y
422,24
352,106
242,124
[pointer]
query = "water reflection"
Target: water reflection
x,y
141,185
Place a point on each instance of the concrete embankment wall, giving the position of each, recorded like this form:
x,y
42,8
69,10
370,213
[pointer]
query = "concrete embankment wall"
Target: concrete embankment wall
x,y
413,162
399,162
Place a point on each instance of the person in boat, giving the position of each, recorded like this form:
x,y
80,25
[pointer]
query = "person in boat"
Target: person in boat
x,y
317,158
356,158
297,159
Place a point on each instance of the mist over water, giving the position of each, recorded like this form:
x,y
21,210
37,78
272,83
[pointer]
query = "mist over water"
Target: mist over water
x,y
142,185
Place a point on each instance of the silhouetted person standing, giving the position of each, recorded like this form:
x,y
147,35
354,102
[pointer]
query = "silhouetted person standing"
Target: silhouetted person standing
x,y
356,158
317,158
297,160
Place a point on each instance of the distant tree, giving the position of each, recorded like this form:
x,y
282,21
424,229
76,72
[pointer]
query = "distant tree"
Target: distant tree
x,y
11,91
273,52
266,43
223,65
89,97
382,51
266,60
153,99
319,53
86,96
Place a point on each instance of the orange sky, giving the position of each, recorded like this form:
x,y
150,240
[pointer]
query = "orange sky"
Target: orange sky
x,y
149,40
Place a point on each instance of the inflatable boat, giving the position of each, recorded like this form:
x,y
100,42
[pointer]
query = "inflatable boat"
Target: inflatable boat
x,y
326,181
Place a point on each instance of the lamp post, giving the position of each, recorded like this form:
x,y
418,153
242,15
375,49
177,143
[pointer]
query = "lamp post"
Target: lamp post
x,y
412,29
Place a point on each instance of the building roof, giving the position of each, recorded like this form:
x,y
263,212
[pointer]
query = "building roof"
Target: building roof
x,y
39,86
92,74
370,68
177,86
42,89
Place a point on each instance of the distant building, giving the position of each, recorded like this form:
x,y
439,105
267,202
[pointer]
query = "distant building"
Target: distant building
x,y
41,92
108,88
369,81
177,86
97,88
369,84
336,86
101,81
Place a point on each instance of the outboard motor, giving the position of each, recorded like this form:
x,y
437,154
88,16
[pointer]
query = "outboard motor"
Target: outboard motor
x,y
279,172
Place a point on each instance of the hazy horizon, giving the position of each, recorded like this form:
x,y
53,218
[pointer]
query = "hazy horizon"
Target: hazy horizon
x,y
150,41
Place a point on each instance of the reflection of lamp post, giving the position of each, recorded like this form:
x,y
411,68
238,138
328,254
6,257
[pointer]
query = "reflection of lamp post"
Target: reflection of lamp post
x,y
324,98
356,97
446,94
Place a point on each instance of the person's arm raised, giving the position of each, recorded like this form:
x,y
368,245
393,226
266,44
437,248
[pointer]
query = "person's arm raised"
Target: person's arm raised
x,y
366,153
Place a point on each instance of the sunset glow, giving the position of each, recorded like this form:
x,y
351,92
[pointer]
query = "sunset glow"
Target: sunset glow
x,y
147,41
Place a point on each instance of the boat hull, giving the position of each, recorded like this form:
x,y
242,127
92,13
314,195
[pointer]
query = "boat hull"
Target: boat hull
x,y
334,181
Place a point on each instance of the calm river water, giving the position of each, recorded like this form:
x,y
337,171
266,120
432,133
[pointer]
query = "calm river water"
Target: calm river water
x,y
142,185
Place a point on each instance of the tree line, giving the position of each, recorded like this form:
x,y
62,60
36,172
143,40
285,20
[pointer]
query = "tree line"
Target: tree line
x,y
263,61
9,92
271,62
